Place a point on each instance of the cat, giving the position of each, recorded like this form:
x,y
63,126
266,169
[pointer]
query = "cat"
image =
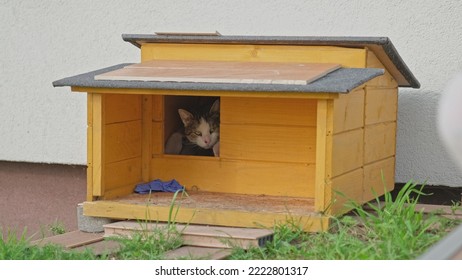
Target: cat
x,y
200,134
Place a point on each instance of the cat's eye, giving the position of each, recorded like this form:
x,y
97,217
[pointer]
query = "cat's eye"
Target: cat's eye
x,y
198,133
211,131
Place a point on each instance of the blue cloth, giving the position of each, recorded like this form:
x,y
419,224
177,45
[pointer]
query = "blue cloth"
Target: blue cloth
x,y
158,186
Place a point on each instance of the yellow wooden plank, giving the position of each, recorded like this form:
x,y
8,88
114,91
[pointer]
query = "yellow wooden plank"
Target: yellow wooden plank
x,y
112,209
347,151
349,111
347,57
379,141
98,137
122,108
385,80
146,134
260,94
233,176
123,173
157,138
381,105
378,177
123,141
323,172
157,108
347,188
276,111
89,194
268,143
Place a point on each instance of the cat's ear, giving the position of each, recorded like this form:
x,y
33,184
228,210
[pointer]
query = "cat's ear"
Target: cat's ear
x,y
215,106
186,117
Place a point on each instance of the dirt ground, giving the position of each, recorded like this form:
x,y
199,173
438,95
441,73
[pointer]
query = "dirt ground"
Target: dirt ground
x,y
34,197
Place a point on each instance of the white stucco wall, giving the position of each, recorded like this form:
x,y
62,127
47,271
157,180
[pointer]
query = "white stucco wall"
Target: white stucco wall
x,y
43,41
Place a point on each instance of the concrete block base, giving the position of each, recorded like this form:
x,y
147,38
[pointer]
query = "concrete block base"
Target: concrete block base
x,y
90,224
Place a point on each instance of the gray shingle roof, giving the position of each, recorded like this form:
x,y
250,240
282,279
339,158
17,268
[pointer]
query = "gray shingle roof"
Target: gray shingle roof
x,y
342,81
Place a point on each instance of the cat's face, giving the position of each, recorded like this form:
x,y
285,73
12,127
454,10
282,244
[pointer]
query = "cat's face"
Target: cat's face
x,y
204,131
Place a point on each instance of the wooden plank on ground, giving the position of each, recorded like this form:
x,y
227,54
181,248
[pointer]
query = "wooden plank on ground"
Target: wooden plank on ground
x,y
221,72
198,235
441,210
101,247
194,252
71,239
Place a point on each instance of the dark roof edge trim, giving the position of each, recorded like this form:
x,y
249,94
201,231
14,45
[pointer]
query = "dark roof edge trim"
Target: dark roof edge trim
x,y
135,39
391,51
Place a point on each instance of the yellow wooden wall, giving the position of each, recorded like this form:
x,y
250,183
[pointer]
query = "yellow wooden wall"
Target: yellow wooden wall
x,y
363,142
381,109
114,144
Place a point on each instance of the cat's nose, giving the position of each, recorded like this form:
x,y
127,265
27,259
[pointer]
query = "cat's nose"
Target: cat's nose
x,y
206,140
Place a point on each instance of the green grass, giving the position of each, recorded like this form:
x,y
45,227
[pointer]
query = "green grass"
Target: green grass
x,y
13,248
389,230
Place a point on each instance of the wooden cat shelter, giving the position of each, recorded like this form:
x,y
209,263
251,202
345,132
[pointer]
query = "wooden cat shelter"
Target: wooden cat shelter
x,y
289,150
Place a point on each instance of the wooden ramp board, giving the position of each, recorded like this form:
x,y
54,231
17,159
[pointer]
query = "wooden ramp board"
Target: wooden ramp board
x,y
199,235
222,72
198,253
71,239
